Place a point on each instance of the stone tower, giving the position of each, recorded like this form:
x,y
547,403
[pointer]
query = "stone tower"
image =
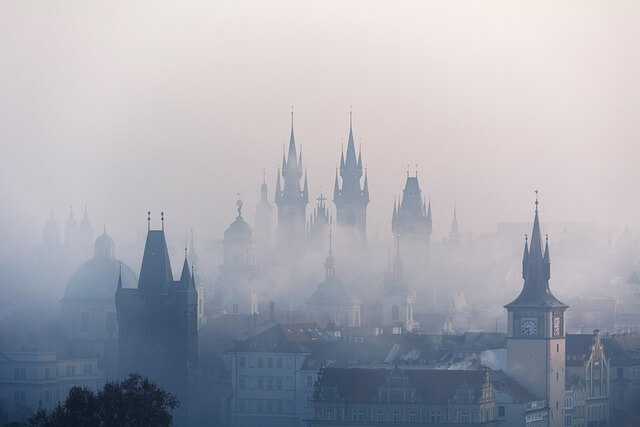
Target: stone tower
x,y
412,216
536,330
291,201
351,199
157,321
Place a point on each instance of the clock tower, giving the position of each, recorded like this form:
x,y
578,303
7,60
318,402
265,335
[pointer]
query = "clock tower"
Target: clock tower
x,y
536,330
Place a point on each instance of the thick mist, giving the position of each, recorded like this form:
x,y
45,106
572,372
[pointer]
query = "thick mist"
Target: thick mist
x,y
166,107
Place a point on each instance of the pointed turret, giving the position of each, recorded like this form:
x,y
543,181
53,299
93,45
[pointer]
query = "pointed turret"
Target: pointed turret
x,y
537,272
365,191
119,278
525,257
454,233
291,200
336,187
350,198
329,263
185,276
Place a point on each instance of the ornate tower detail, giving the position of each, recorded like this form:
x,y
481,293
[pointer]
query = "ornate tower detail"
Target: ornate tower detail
x,y
412,216
291,201
536,330
351,199
399,298
319,221
264,218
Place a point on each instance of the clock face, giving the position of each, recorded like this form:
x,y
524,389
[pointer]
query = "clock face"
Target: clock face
x,y
556,326
529,327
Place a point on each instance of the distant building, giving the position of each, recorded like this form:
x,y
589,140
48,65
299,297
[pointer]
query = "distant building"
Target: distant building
x,y
412,216
264,220
32,381
235,292
319,222
88,312
351,199
270,385
291,200
398,299
536,331
157,321
403,396
627,307
331,302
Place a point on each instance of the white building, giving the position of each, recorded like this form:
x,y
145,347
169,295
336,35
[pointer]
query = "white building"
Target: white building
x,y
32,381
271,386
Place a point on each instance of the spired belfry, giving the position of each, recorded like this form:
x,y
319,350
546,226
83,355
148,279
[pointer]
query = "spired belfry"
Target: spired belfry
x,y
319,221
291,201
351,199
536,330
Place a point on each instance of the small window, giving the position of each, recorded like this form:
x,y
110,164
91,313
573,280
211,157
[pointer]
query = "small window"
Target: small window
x,y
243,362
279,363
557,348
620,372
270,362
501,411
260,362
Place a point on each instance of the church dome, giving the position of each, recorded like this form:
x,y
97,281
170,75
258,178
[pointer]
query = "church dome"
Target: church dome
x,y
330,292
239,231
98,277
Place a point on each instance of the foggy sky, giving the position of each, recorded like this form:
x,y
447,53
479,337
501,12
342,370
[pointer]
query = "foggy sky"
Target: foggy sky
x,y
177,106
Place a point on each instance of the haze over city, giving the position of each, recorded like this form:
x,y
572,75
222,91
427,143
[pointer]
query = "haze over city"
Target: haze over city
x,y
196,192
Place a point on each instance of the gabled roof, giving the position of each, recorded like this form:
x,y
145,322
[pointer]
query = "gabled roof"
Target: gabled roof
x,y
282,338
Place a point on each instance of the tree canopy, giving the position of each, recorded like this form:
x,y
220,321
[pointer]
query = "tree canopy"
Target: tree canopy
x,y
134,402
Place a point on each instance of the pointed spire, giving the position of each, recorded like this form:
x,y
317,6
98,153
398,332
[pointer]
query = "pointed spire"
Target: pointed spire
x,y
336,187
341,159
365,191
547,259
305,191
119,276
429,210
525,257
278,187
284,162
185,277
329,263
291,157
360,159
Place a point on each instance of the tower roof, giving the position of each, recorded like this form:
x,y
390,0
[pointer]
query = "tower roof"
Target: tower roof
x,y
155,272
536,272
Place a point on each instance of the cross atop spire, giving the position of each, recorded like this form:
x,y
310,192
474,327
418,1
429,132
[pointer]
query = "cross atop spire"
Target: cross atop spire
x,y
536,202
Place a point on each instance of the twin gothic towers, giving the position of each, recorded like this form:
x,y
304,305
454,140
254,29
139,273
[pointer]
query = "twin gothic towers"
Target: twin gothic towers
x,y
292,195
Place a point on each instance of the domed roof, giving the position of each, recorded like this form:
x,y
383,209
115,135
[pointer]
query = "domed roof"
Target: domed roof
x,y
238,231
330,292
98,278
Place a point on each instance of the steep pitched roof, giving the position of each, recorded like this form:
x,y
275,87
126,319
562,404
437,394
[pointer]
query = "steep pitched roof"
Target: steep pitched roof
x,y
155,272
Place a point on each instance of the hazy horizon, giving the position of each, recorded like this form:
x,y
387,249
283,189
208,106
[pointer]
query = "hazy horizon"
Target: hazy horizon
x,y
170,108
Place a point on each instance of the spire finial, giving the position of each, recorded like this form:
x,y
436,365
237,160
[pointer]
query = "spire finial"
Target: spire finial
x,y
407,170
162,219
526,238
536,200
185,249
416,170
148,220
292,117
350,118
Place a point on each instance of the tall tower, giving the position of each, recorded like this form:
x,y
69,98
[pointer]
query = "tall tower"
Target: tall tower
x,y
454,232
536,330
351,199
412,216
399,298
291,201
157,321
264,218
